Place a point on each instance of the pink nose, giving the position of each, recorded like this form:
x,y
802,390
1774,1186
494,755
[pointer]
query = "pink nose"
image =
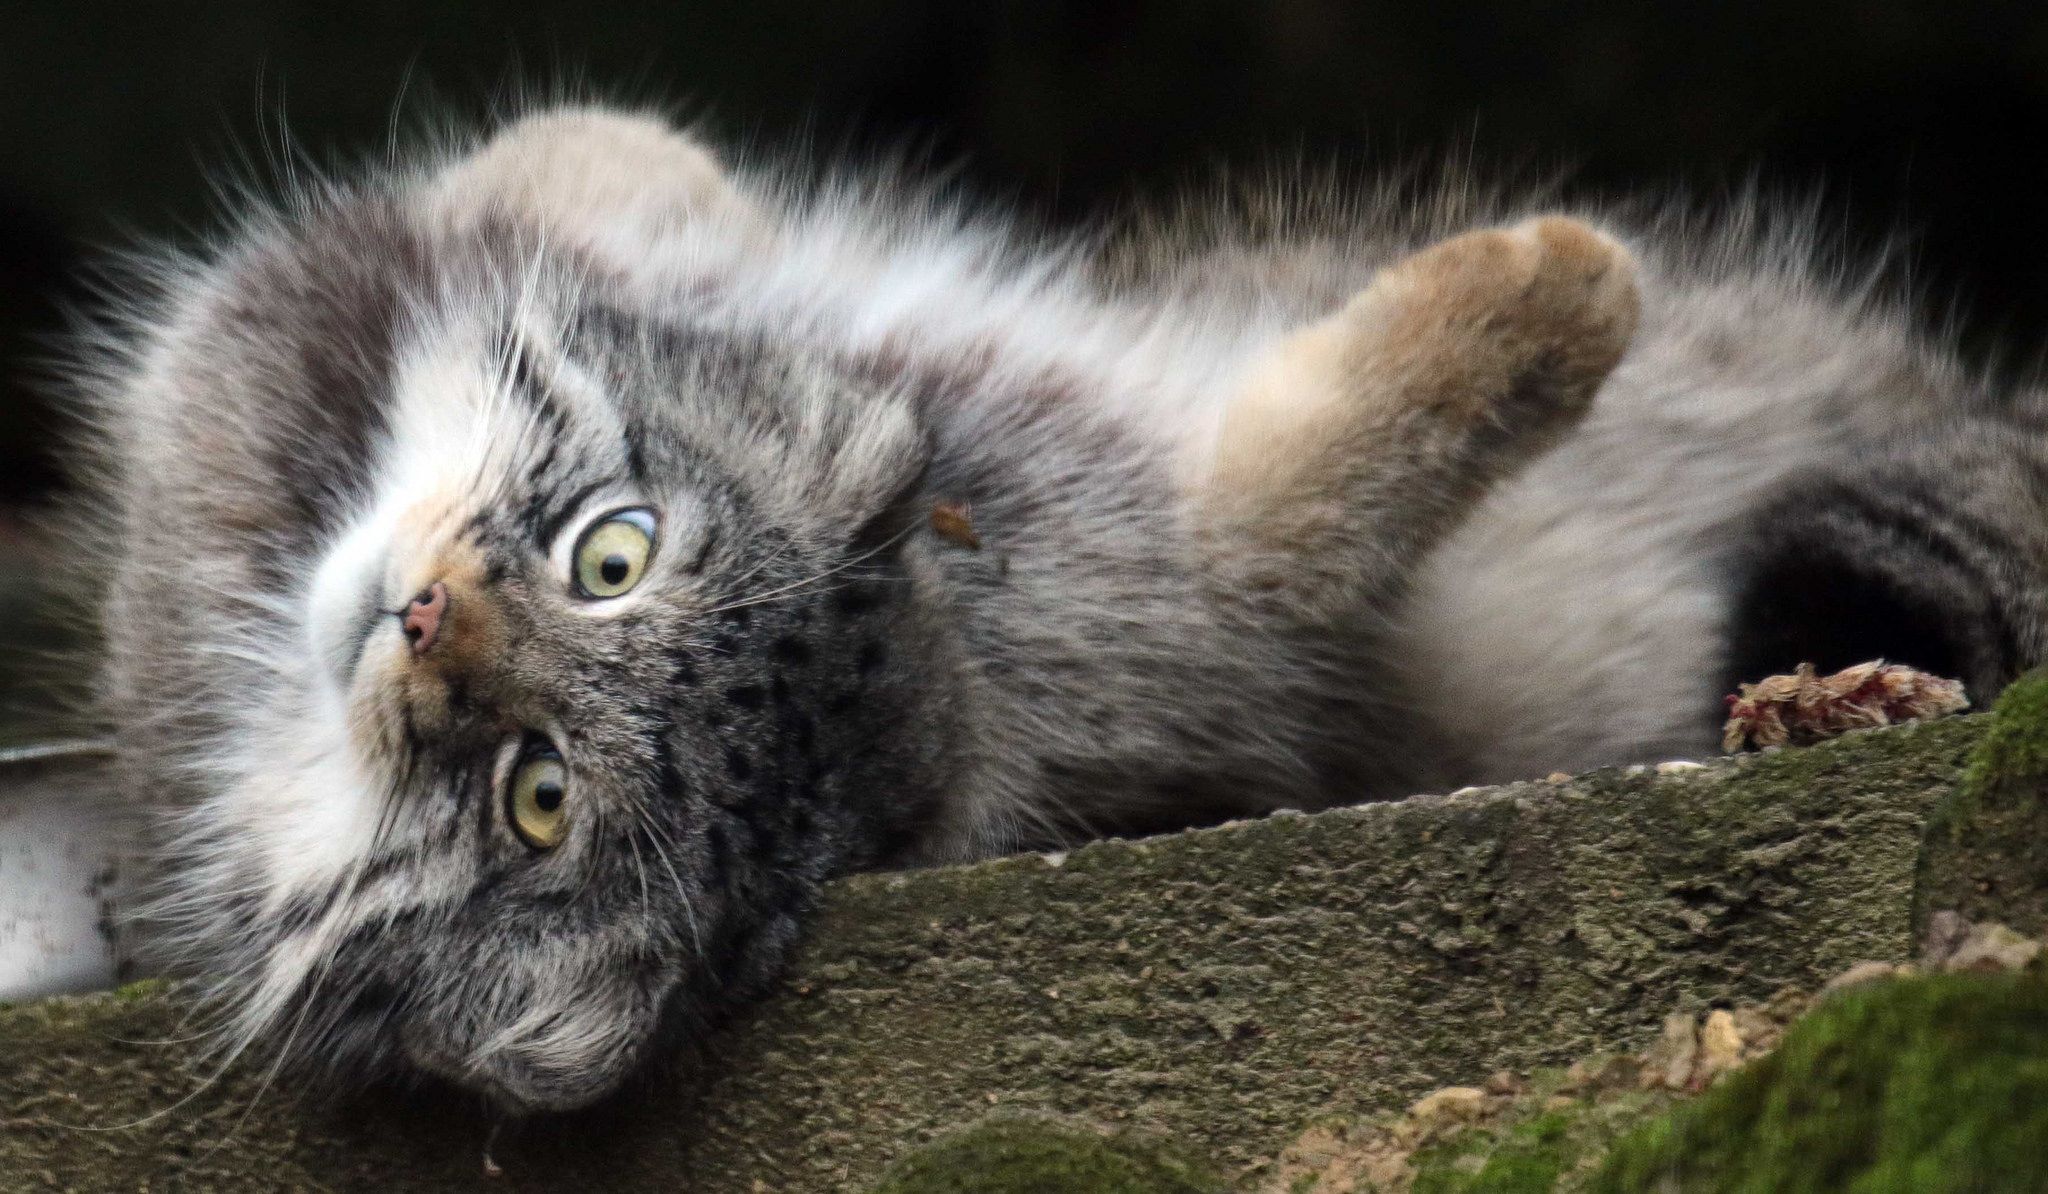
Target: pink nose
x,y
422,617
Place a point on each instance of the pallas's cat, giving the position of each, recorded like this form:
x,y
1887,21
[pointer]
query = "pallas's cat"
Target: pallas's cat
x,y
535,570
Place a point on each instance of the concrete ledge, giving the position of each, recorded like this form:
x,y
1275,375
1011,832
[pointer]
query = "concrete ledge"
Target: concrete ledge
x,y
1221,987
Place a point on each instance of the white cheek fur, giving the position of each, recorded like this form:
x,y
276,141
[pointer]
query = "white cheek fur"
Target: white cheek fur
x,y
346,593
307,803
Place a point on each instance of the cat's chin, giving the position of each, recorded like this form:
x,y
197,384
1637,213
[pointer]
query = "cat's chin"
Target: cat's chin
x,y
514,1085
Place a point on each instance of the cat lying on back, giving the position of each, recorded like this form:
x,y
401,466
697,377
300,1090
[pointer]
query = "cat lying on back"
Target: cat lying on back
x,y
539,570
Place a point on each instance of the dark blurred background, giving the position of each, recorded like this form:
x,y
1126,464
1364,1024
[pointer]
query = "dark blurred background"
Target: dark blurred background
x,y
1918,118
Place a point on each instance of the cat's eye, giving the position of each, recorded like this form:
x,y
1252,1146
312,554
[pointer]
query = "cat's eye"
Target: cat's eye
x,y
612,555
536,799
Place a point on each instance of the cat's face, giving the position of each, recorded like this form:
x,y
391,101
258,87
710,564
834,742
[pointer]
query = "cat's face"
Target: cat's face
x,y
598,670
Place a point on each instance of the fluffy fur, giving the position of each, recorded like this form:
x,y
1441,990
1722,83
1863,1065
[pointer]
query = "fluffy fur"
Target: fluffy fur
x,y
1252,528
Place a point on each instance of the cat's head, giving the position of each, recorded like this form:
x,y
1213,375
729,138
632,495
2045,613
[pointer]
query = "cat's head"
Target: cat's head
x,y
592,671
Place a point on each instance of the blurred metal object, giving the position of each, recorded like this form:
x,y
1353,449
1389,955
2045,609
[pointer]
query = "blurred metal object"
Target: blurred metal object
x,y
81,752
66,872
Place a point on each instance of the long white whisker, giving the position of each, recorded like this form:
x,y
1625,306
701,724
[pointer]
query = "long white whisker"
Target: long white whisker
x,y
816,577
682,893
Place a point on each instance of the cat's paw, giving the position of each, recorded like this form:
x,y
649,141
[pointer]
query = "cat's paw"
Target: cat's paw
x,y
1508,330
1519,324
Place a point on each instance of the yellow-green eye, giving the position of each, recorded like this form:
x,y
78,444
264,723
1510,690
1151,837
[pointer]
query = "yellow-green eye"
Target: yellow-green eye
x,y
537,798
612,555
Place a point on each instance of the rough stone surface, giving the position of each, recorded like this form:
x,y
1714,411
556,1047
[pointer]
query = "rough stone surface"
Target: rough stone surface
x,y
1219,988
1038,1155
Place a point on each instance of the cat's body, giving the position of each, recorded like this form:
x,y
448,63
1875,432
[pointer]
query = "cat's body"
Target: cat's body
x,y
939,540
1778,430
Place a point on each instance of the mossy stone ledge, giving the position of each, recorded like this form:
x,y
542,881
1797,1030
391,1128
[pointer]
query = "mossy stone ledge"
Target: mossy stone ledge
x,y
1217,989
1987,840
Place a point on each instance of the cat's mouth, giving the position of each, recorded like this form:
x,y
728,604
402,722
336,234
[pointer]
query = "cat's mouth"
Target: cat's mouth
x,y
348,607
370,614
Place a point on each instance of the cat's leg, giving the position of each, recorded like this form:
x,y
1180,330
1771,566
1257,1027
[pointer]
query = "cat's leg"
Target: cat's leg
x,y
1360,440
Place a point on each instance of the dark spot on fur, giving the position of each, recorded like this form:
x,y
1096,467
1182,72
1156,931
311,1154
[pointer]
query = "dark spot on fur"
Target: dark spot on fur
x,y
746,696
672,784
792,650
872,656
737,764
855,600
802,730
718,843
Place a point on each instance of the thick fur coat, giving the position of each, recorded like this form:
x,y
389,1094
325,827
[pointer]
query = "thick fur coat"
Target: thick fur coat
x,y
957,539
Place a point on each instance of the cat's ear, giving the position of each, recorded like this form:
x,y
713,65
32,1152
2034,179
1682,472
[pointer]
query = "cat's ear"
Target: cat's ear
x,y
880,480
1358,441
609,181
868,460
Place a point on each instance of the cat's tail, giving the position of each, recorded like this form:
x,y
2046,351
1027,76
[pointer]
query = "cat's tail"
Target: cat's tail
x,y
1930,551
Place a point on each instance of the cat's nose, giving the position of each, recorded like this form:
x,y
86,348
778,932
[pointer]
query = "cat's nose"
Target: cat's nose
x,y
422,617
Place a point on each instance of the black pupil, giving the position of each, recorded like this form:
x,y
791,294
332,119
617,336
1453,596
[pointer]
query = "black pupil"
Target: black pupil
x,y
547,796
614,569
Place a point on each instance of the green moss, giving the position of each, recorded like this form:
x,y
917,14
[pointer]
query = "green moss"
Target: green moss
x,y
1033,1156
1926,1085
1986,848
1532,1152
1516,1172
140,990
2015,749
1529,1158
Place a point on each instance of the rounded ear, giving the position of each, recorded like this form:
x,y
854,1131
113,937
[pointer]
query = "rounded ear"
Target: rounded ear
x,y
606,180
860,464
